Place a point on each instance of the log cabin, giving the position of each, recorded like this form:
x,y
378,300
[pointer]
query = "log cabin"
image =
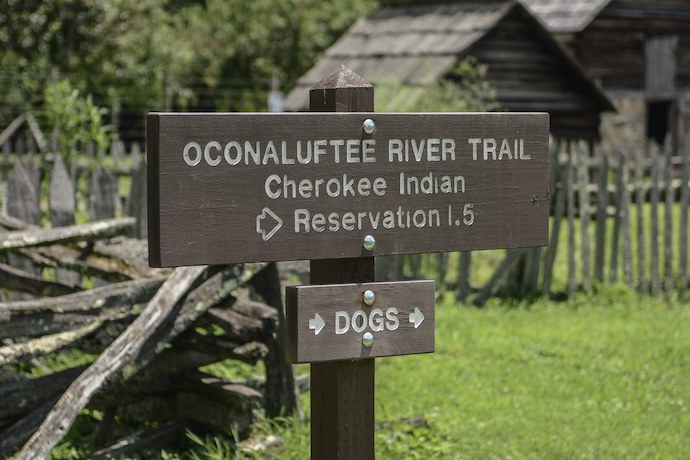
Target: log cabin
x,y
418,43
637,50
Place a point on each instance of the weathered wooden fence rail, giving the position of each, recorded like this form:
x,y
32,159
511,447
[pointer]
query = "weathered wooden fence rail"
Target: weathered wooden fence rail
x,y
70,285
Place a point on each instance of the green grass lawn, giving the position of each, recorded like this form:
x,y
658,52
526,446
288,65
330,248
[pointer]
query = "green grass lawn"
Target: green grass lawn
x,y
604,376
600,376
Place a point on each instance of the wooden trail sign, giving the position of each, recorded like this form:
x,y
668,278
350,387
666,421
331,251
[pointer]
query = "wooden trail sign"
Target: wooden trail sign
x,y
358,321
266,187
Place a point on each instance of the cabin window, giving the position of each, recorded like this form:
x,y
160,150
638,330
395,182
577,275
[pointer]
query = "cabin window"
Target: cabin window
x,y
658,120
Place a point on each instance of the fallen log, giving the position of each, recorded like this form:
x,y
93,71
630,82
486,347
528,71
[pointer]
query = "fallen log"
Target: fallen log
x,y
19,280
62,235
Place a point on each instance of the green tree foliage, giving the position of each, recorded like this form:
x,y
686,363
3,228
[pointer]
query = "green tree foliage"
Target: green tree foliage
x,y
144,52
74,119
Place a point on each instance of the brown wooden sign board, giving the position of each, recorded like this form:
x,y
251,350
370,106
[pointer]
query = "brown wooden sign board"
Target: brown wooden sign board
x,y
331,322
266,187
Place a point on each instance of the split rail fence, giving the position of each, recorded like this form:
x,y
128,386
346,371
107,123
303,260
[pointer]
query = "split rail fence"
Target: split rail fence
x,y
619,214
74,275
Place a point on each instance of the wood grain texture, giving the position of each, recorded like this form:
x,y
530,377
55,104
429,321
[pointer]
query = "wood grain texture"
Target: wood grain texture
x,y
210,214
399,337
342,392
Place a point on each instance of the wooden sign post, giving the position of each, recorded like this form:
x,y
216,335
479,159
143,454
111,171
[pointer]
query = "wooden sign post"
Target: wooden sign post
x,y
340,188
342,392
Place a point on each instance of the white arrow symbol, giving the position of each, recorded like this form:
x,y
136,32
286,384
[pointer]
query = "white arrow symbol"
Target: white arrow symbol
x,y
317,324
265,212
416,317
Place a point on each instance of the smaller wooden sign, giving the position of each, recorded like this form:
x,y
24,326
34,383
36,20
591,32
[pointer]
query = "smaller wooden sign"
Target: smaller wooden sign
x,y
356,321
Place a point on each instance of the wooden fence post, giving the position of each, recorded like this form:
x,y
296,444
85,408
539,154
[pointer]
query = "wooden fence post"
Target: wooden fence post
x,y
342,392
602,203
668,214
654,154
639,202
559,210
62,210
583,189
464,269
627,233
570,187
137,197
684,200
617,220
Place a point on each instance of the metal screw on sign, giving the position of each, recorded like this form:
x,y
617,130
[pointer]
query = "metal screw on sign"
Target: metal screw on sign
x,y
368,339
369,126
369,297
369,242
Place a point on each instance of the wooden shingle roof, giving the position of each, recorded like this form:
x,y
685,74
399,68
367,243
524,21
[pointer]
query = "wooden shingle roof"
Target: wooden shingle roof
x,y
565,16
414,44
408,46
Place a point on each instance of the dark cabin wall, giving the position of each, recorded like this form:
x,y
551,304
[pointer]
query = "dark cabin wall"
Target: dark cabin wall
x,y
612,47
528,76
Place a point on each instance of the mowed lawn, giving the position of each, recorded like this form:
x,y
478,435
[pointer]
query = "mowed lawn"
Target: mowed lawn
x,y
605,376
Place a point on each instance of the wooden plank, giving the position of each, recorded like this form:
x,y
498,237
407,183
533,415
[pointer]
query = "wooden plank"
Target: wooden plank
x,y
328,322
62,199
617,221
62,202
668,284
137,198
104,196
9,131
342,392
582,187
16,279
39,237
23,196
73,310
602,204
660,66
654,229
641,233
627,232
685,201
36,132
4,176
464,270
267,211
559,171
570,190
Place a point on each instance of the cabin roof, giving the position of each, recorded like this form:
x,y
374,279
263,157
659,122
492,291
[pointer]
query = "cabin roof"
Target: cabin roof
x,y
565,16
417,44
414,45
